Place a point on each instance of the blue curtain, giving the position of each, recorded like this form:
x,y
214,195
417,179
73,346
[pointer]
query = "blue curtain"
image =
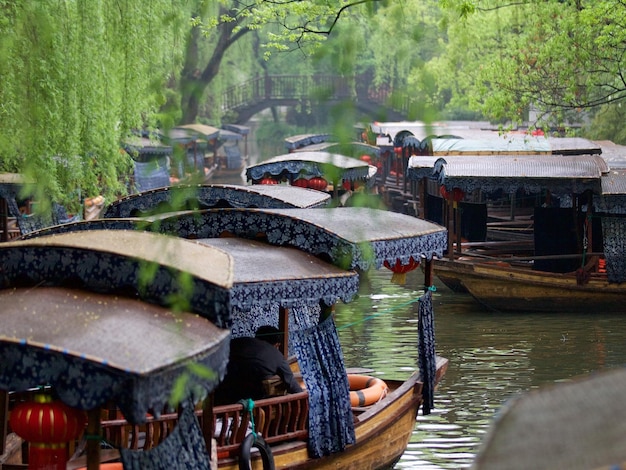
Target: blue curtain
x,y
426,349
331,426
614,235
183,449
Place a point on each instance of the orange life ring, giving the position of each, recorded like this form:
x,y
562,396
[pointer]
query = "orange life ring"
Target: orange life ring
x,y
366,390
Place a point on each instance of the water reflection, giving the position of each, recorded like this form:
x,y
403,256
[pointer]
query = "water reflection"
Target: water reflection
x,y
493,357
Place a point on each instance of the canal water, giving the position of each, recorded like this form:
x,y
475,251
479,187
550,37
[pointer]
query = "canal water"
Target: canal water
x,y
493,356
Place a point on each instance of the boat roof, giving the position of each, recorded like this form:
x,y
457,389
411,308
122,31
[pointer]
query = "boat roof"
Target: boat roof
x,y
112,261
301,140
294,277
515,144
143,147
612,200
350,149
59,336
331,166
237,128
512,172
14,179
204,196
349,237
111,326
188,133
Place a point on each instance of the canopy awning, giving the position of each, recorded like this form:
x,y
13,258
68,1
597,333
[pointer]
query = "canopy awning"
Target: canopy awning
x,y
204,196
350,237
330,166
94,348
508,173
112,261
271,275
115,334
188,133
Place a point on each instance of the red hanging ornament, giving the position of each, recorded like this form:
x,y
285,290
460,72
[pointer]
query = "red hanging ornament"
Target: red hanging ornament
x,y
269,181
399,270
301,183
397,151
48,425
318,183
457,195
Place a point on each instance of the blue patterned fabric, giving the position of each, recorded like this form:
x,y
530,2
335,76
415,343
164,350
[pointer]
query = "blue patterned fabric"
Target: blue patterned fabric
x,y
152,174
183,449
331,426
330,166
614,234
291,227
426,350
100,271
208,196
84,384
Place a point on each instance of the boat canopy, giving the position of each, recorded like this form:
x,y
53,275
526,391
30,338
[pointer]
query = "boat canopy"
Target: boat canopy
x,y
271,275
192,132
331,166
111,336
111,261
303,140
350,149
508,173
515,144
350,237
204,196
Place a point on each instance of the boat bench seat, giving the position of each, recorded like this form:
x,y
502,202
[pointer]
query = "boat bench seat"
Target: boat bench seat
x,y
277,419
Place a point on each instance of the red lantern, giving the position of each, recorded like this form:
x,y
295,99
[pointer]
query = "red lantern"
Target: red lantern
x,y
269,181
366,158
399,270
457,194
347,185
301,183
48,425
397,150
318,183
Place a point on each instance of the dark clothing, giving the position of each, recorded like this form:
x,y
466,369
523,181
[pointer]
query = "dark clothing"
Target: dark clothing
x,y
251,361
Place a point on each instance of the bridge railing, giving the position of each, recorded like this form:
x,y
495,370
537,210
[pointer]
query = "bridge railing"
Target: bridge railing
x,y
288,87
271,90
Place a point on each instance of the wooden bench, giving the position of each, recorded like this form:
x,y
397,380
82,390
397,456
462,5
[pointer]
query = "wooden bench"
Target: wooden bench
x,y
277,419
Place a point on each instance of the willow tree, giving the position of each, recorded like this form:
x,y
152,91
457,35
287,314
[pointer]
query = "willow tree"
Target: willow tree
x,y
75,77
560,56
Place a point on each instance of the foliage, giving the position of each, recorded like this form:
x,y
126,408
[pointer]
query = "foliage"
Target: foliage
x,y
561,57
76,77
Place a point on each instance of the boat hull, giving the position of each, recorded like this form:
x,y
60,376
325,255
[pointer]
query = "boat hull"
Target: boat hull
x,y
505,288
382,434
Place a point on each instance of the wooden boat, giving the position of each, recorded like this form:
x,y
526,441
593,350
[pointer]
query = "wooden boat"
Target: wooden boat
x,y
84,336
323,171
571,274
228,156
205,196
301,289
544,428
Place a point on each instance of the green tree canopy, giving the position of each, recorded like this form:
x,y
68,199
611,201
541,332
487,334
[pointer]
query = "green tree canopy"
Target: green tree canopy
x,y
76,76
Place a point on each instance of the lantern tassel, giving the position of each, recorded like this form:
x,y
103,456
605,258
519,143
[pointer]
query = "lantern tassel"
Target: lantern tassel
x,y
398,279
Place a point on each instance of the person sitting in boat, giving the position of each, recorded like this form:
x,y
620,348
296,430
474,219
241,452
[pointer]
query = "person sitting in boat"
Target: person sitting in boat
x,y
252,361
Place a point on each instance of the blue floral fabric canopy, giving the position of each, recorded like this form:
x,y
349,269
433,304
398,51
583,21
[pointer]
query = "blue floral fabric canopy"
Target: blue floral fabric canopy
x,y
266,275
330,166
112,335
350,237
509,173
204,196
114,262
